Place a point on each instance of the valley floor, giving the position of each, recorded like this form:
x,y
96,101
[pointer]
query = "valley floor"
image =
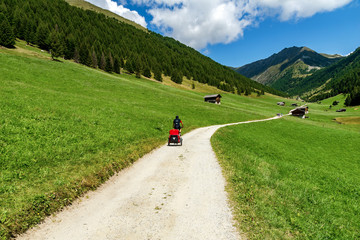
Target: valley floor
x,y
172,193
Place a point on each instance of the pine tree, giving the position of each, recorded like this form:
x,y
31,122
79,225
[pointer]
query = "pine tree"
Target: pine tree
x,y
137,65
347,100
85,56
70,47
30,32
116,65
158,75
94,61
109,63
176,77
129,66
122,63
56,45
42,37
102,62
147,72
7,38
76,55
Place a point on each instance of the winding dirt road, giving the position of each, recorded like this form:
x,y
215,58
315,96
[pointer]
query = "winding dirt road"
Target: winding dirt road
x,y
171,193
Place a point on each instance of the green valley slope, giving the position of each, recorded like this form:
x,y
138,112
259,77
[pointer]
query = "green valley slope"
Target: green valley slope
x,y
65,128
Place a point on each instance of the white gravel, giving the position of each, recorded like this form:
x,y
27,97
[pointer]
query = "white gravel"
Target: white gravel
x,y
171,193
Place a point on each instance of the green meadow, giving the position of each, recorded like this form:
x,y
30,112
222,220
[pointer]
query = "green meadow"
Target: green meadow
x,y
295,178
66,128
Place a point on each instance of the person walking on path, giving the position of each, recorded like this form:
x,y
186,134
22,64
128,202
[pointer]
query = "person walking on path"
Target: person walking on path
x,y
177,123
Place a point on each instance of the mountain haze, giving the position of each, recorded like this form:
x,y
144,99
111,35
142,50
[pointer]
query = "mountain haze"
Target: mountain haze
x,y
283,70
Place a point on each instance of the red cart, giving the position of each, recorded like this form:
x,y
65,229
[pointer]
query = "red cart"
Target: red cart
x,y
174,137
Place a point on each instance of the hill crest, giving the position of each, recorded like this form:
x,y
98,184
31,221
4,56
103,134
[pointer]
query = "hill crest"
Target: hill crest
x,y
89,6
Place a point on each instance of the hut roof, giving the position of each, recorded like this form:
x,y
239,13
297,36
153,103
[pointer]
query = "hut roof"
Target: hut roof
x,y
213,96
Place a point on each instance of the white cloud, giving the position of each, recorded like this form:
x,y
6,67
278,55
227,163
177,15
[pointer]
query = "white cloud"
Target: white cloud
x,y
199,23
288,9
120,10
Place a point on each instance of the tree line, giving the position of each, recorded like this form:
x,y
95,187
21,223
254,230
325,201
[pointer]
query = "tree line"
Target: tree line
x,y
97,41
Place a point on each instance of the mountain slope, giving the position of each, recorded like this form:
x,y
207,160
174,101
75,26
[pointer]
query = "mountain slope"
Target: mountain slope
x,y
284,69
341,77
98,41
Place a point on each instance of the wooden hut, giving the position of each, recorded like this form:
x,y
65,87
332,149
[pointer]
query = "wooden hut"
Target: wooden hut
x,y
299,112
213,98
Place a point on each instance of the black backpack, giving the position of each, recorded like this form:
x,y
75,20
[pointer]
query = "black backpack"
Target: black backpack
x,y
177,123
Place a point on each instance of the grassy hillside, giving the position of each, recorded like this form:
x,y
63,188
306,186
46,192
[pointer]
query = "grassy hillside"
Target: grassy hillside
x,y
295,178
88,6
94,39
65,128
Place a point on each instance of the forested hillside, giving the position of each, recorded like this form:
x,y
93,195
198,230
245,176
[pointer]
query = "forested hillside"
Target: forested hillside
x,y
342,77
98,41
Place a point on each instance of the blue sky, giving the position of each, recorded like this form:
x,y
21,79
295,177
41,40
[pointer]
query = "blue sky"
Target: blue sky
x,y
237,32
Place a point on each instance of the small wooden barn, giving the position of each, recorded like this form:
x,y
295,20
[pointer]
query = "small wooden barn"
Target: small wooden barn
x,y
299,112
213,98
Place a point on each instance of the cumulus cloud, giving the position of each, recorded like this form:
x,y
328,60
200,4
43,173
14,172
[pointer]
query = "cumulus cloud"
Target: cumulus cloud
x,y
288,9
120,10
199,23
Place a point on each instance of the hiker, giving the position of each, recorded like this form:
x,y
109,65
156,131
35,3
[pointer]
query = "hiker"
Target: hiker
x,y
176,123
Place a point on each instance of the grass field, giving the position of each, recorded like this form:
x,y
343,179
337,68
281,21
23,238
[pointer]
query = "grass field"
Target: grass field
x,y
348,120
295,178
65,128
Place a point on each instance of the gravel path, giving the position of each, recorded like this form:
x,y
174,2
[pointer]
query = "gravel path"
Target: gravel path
x,y
171,193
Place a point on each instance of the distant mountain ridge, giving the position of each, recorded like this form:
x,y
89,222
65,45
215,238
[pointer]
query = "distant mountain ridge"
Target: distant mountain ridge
x,y
284,69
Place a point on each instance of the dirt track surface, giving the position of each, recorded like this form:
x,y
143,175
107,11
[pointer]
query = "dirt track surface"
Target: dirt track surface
x,y
172,193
